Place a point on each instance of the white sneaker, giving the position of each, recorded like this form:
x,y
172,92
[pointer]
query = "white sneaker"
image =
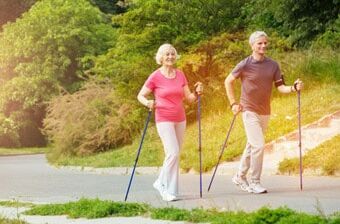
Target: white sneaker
x,y
240,182
168,197
157,185
256,188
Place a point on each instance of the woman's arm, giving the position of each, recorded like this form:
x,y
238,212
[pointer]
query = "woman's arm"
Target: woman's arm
x,y
191,97
143,93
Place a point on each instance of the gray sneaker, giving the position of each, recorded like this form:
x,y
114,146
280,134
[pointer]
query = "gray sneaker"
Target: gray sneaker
x,y
241,182
256,188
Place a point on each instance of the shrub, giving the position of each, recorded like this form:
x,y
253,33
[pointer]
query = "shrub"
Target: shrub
x,y
90,120
8,132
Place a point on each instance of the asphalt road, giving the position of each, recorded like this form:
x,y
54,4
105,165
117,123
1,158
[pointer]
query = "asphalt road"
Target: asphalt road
x,y
30,178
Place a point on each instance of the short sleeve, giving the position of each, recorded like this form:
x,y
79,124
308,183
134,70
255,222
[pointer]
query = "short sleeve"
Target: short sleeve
x,y
150,82
278,77
237,71
184,79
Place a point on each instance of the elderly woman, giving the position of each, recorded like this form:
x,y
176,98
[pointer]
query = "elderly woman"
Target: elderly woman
x,y
169,87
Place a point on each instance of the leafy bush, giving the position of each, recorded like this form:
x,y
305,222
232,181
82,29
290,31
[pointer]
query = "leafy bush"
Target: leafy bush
x,y
330,38
22,101
42,50
90,120
8,132
301,21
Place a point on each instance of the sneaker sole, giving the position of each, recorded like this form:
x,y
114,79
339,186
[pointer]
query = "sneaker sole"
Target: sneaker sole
x,y
239,185
256,192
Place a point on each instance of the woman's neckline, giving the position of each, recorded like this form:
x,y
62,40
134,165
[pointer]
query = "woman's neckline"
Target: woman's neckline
x,y
168,77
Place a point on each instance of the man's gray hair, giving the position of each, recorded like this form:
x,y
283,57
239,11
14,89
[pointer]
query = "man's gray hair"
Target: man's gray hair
x,y
255,36
161,52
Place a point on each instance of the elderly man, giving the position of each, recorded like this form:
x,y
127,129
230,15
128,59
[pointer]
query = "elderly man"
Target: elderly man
x,y
257,73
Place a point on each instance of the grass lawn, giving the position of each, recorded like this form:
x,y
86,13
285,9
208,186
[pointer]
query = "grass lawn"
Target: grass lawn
x,y
95,208
22,151
11,221
214,129
316,159
15,204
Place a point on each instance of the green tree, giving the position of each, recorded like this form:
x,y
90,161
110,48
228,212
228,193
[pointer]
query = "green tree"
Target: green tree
x,y
45,50
148,24
301,21
111,6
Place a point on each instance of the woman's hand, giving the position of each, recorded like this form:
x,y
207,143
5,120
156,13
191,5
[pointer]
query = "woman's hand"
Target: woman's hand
x,y
199,88
150,104
236,108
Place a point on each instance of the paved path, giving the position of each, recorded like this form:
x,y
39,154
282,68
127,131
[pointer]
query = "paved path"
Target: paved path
x,y
29,178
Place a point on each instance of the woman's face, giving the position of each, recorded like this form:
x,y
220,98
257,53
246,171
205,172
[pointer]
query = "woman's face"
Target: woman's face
x,y
260,45
169,57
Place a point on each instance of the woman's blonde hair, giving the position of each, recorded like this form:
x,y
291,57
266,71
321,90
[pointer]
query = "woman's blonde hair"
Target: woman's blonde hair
x,y
161,52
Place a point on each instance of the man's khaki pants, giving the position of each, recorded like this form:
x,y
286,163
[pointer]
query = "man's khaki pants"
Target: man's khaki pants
x,y
255,126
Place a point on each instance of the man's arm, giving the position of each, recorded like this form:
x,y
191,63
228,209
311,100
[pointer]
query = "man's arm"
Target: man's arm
x,y
298,85
229,86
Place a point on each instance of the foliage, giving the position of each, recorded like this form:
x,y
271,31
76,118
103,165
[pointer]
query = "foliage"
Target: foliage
x,y
90,120
11,221
15,204
300,21
8,132
39,55
95,208
90,208
22,103
23,151
173,214
331,37
316,158
148,24
111,6
322,65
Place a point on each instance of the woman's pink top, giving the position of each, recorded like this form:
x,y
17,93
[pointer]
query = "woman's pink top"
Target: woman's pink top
x,y
169,94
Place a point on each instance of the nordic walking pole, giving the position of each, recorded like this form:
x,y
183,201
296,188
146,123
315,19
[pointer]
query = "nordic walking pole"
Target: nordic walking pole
x,y
222,150
199,139
138,152
300,150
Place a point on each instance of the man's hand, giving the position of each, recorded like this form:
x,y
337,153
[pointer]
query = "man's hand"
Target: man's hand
x,y
298,85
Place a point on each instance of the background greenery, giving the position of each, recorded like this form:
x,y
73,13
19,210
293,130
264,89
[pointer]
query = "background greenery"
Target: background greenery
x,y
95,208
70,71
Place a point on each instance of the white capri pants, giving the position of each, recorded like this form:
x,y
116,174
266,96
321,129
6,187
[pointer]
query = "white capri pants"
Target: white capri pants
x,y
172,136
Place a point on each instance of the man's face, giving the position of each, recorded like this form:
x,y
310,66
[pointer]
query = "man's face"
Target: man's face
x,y
260,45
